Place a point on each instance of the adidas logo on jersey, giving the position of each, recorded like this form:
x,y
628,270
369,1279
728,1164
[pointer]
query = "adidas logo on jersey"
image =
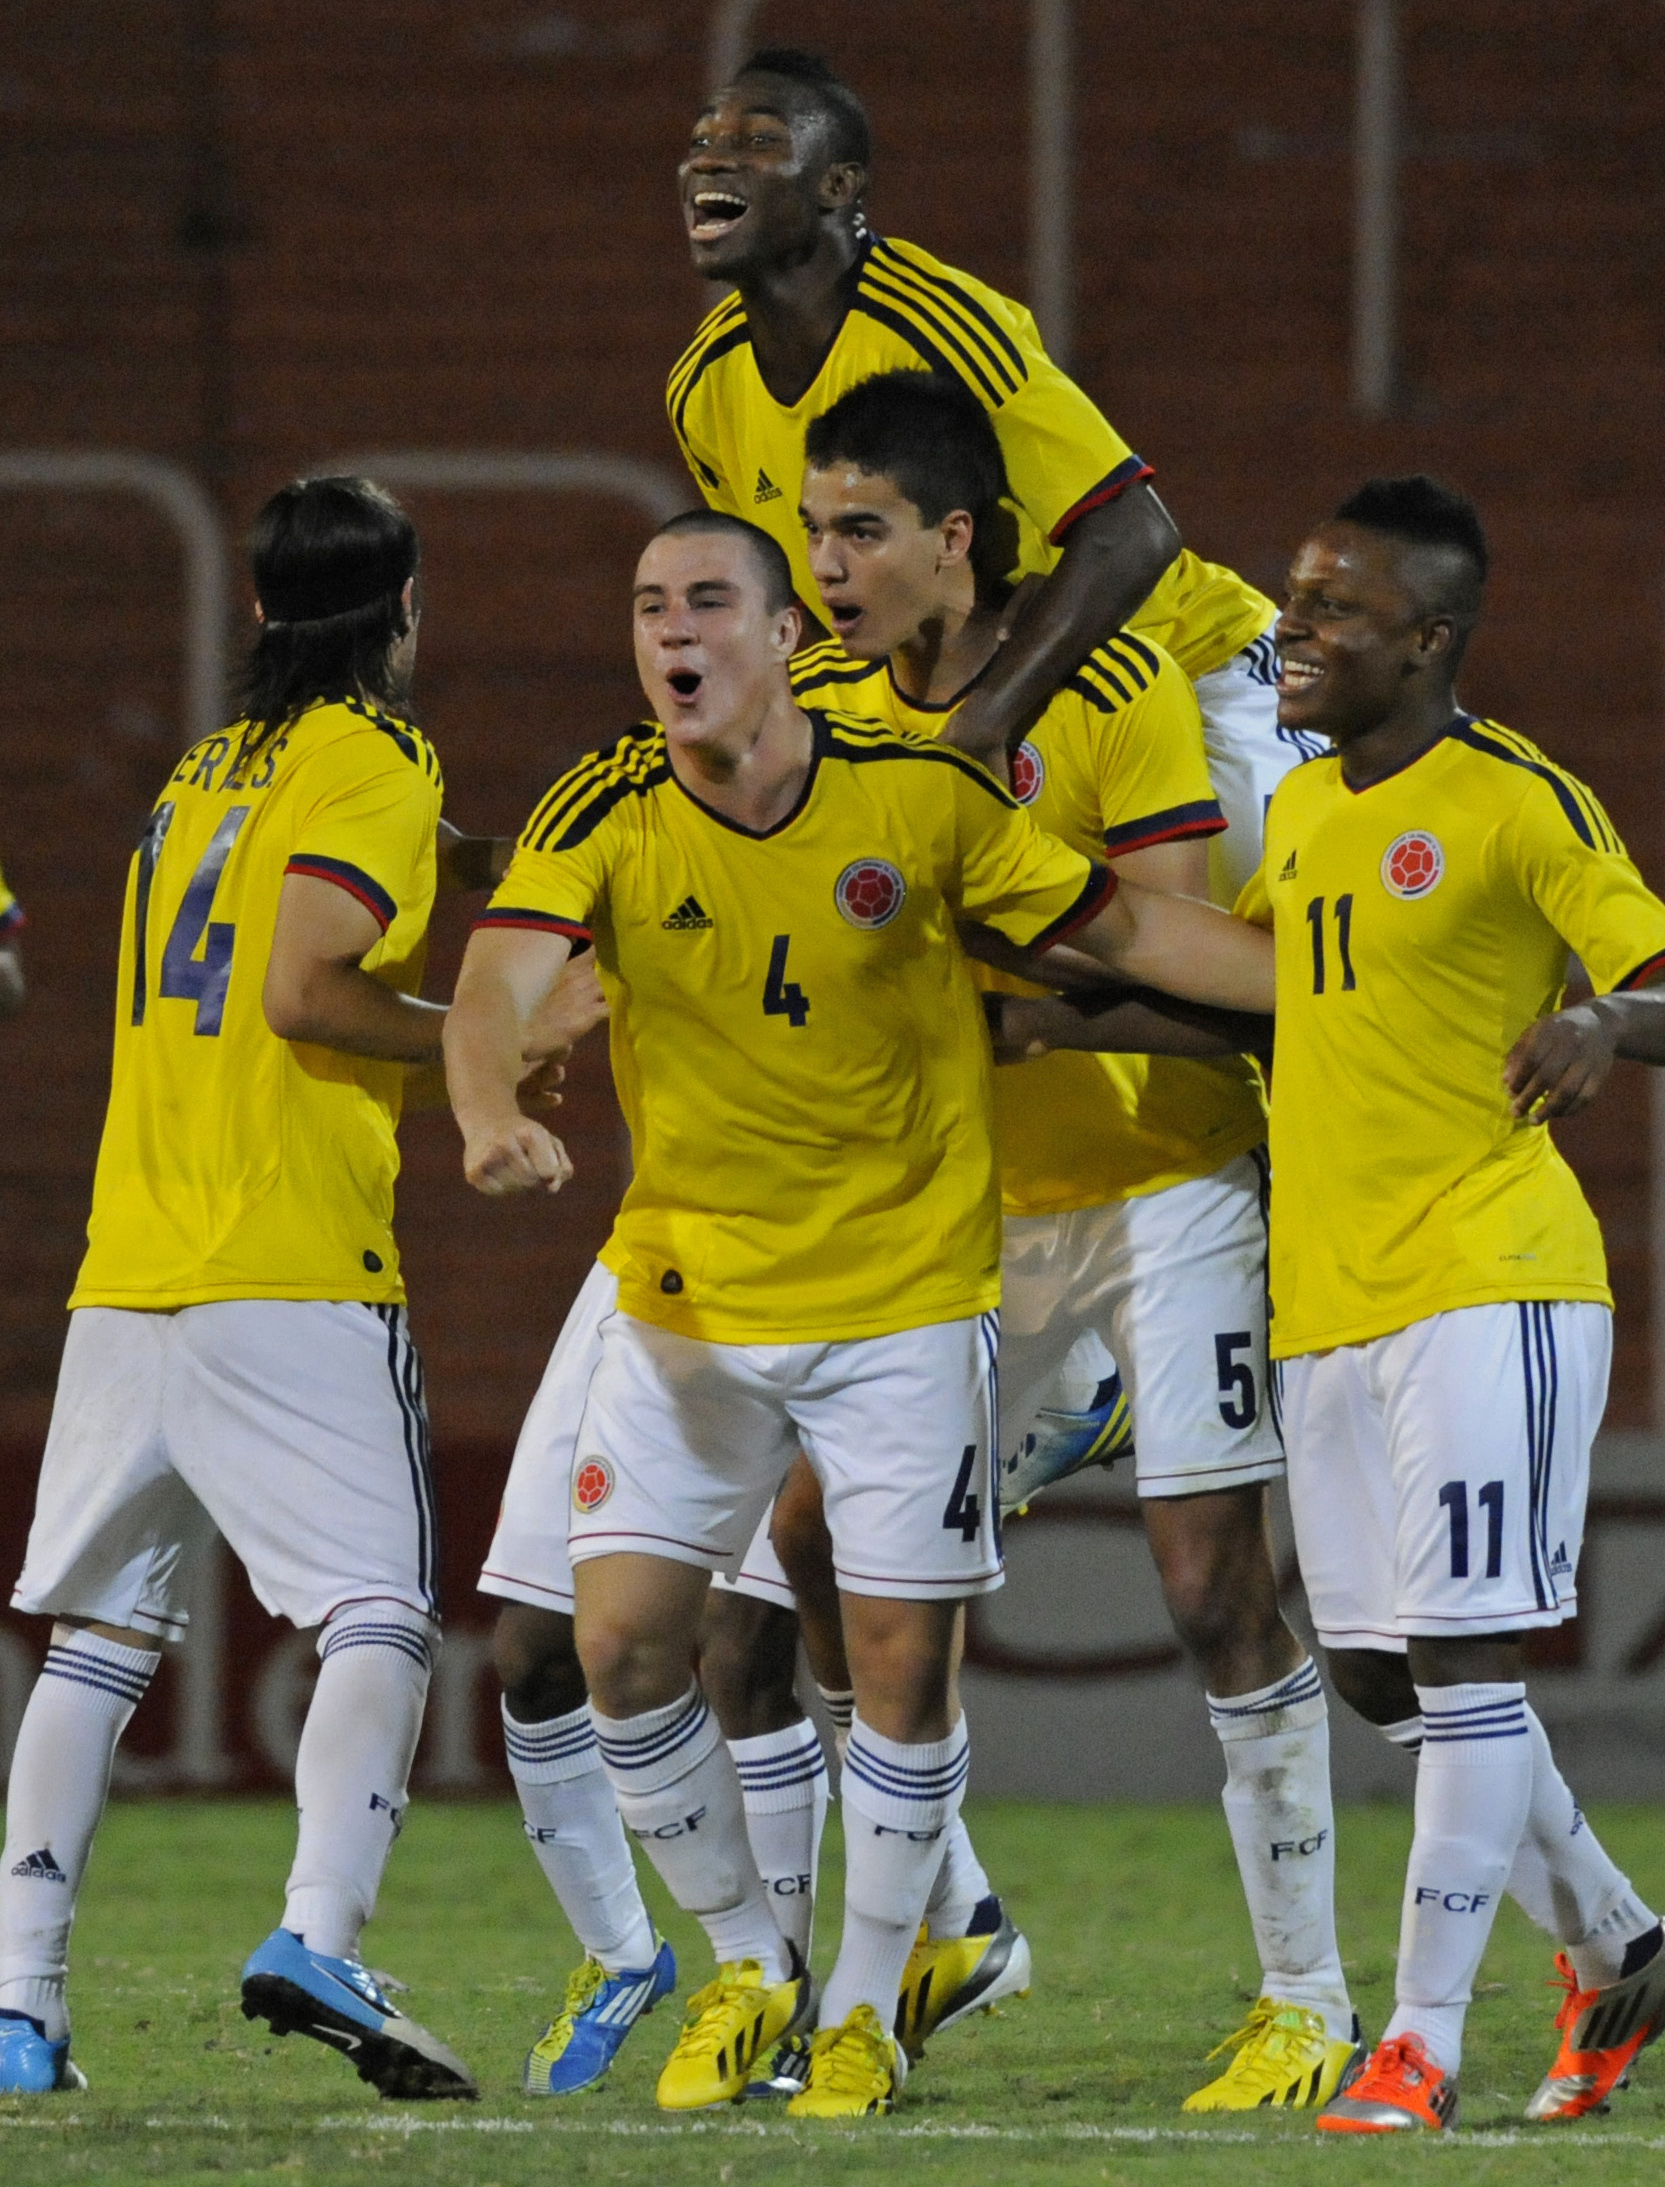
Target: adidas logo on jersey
x,y
688,917
767,490
1287,870
40,1868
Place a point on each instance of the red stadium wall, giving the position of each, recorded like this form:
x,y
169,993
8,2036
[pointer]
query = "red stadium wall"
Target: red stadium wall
x,y
247,236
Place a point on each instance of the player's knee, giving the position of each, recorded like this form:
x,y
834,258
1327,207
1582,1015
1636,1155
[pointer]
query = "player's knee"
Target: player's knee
x,y
630,1670
902,1661
749,1664
1374,1684
536,1659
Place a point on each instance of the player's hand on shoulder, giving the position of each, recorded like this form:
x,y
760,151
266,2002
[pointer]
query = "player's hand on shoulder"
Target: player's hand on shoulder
x,y
514,1155
1560,1064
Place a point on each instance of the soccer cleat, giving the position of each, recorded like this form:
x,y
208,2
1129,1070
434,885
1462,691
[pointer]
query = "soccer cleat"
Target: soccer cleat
x,y
29,2064
949,1978
728,2026
1062,1443
581,2042
781,2072
338,2002
1602,2032
856,2071
1397,2090
1284,2058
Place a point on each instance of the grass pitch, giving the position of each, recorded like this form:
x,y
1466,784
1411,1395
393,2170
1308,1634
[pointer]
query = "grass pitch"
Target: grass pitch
x,y
1143,1959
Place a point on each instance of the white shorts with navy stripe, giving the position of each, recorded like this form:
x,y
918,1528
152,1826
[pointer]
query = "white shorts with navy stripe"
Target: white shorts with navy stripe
x,y
1438,1476
296,1428
528,1561
683,1445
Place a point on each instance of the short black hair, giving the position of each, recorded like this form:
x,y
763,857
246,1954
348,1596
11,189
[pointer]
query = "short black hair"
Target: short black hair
x,y
1424,513
934,441
850,133
769,555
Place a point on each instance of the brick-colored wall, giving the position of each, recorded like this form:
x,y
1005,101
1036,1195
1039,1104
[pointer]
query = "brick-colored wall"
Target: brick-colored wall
x,y
247,235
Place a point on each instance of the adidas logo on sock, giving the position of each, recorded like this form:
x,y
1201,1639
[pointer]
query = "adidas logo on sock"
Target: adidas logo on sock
x,y
688,916
767,490
40,1868
1287,871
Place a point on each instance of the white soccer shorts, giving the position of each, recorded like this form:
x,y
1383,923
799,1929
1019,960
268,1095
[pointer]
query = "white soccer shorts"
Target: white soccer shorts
x,y
527,1560
1174,1284
683,1445
296,1427
1437,1476
1248,756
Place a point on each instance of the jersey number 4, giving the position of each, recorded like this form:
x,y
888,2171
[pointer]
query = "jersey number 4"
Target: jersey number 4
x,y
783,998
186,977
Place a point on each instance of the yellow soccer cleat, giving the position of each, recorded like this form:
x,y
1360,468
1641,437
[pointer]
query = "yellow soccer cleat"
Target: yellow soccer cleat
x,y
856,2071
1284,2058
728,2025
949,1978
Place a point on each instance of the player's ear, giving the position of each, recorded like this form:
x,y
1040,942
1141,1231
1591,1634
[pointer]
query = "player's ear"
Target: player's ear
x,y
957,529
1436,638
789,630
841,186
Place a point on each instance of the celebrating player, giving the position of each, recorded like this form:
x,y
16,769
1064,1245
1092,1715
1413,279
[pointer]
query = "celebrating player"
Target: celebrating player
x,y
808,1249
238,1357
1441,1310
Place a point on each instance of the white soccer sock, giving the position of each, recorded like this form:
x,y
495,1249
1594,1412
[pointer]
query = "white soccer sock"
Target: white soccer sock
x,y
1406,1734
1277,1800
898,1803
1565,1880
962,1884
352,1772
82,1703
572,1820
1473,1790
679,1794
840,1705
783,1780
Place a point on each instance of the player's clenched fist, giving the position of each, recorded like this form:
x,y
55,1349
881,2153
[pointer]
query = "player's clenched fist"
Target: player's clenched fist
x,y
517,1155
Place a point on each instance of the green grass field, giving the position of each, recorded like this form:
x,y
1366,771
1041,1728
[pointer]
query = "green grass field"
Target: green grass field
x,y
1142,1959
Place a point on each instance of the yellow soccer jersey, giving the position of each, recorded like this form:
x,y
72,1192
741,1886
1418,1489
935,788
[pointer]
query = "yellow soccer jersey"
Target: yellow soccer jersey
x,y
1114,764
234,1164
797,1043
1421,925
909,311
11,911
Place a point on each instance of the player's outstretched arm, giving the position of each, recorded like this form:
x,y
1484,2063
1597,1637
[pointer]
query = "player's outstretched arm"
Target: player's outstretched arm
x,y
503,990
1559,1065
1112,558
1182,946
317,991
1112,1020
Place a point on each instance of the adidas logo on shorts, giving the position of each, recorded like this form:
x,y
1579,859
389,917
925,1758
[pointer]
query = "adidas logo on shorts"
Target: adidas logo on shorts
x,y
688,916
40,1868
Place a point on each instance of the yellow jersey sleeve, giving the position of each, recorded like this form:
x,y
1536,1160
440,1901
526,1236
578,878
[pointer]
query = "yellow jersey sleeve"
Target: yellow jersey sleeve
x,y
1570,862
1029,886
11,911
368,832
1135,713
1254,904
559,871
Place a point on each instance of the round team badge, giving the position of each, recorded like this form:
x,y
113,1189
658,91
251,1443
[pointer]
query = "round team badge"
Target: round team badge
x,y
1413,864
870,892
1028,773
592,1484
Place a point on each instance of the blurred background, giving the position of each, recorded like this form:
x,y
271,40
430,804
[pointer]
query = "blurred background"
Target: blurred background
x,y
1284,246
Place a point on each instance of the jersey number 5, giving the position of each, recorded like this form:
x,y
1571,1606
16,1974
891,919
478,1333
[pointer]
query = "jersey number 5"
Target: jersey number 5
x,y
186,977
781,998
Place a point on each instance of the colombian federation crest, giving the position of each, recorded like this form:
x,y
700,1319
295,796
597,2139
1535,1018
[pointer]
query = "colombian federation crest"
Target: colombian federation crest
x,y
1028,773
592,1484
870,892
1413,864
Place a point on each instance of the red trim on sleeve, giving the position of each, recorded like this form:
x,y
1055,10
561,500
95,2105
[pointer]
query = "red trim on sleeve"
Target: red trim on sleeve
x,y
541,922
1173,826
1131,471
12,920
1101,885
1643,976
357,883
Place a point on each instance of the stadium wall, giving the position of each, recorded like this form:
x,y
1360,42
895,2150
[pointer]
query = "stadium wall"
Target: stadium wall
x,y
246,236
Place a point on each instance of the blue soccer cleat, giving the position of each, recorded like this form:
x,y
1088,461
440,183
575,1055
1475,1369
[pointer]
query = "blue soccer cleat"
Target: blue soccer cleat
x,y
29,2064
338,2002
579,2045
1062,1443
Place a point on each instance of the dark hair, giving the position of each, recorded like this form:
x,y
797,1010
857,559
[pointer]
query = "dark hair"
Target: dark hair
x,y
849,132
1421,511
778,589
330,558
934,441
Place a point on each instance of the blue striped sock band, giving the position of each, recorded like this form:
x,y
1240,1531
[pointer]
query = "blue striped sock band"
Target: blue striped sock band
x,y
554,1751
1468,1715
779,1770
405,1640
659,1746
1290,1705
906,1787
103,1667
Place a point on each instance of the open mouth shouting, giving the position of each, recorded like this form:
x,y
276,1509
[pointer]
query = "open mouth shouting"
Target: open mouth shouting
x,y
714,213
844,615
686,685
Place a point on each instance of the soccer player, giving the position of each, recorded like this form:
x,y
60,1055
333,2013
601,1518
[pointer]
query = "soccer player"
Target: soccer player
x,y
238,1357
1441,1310
13,989
772,192
809,1246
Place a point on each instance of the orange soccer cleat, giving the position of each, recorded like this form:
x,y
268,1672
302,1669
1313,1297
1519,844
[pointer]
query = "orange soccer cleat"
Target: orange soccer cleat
x,y
1400,2090
1601,2033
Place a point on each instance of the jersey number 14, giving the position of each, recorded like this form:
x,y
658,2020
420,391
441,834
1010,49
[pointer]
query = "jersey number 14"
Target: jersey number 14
x,y
185,976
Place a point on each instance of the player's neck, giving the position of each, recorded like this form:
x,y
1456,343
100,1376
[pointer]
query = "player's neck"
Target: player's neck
x,y
946,653
794,312
753,772
1398,742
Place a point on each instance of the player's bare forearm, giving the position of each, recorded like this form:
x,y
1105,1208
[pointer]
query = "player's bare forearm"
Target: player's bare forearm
x,y
1560,1064
507,977
470,862
1111,1020
1112,558
1184,947
336,1005
1063,967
